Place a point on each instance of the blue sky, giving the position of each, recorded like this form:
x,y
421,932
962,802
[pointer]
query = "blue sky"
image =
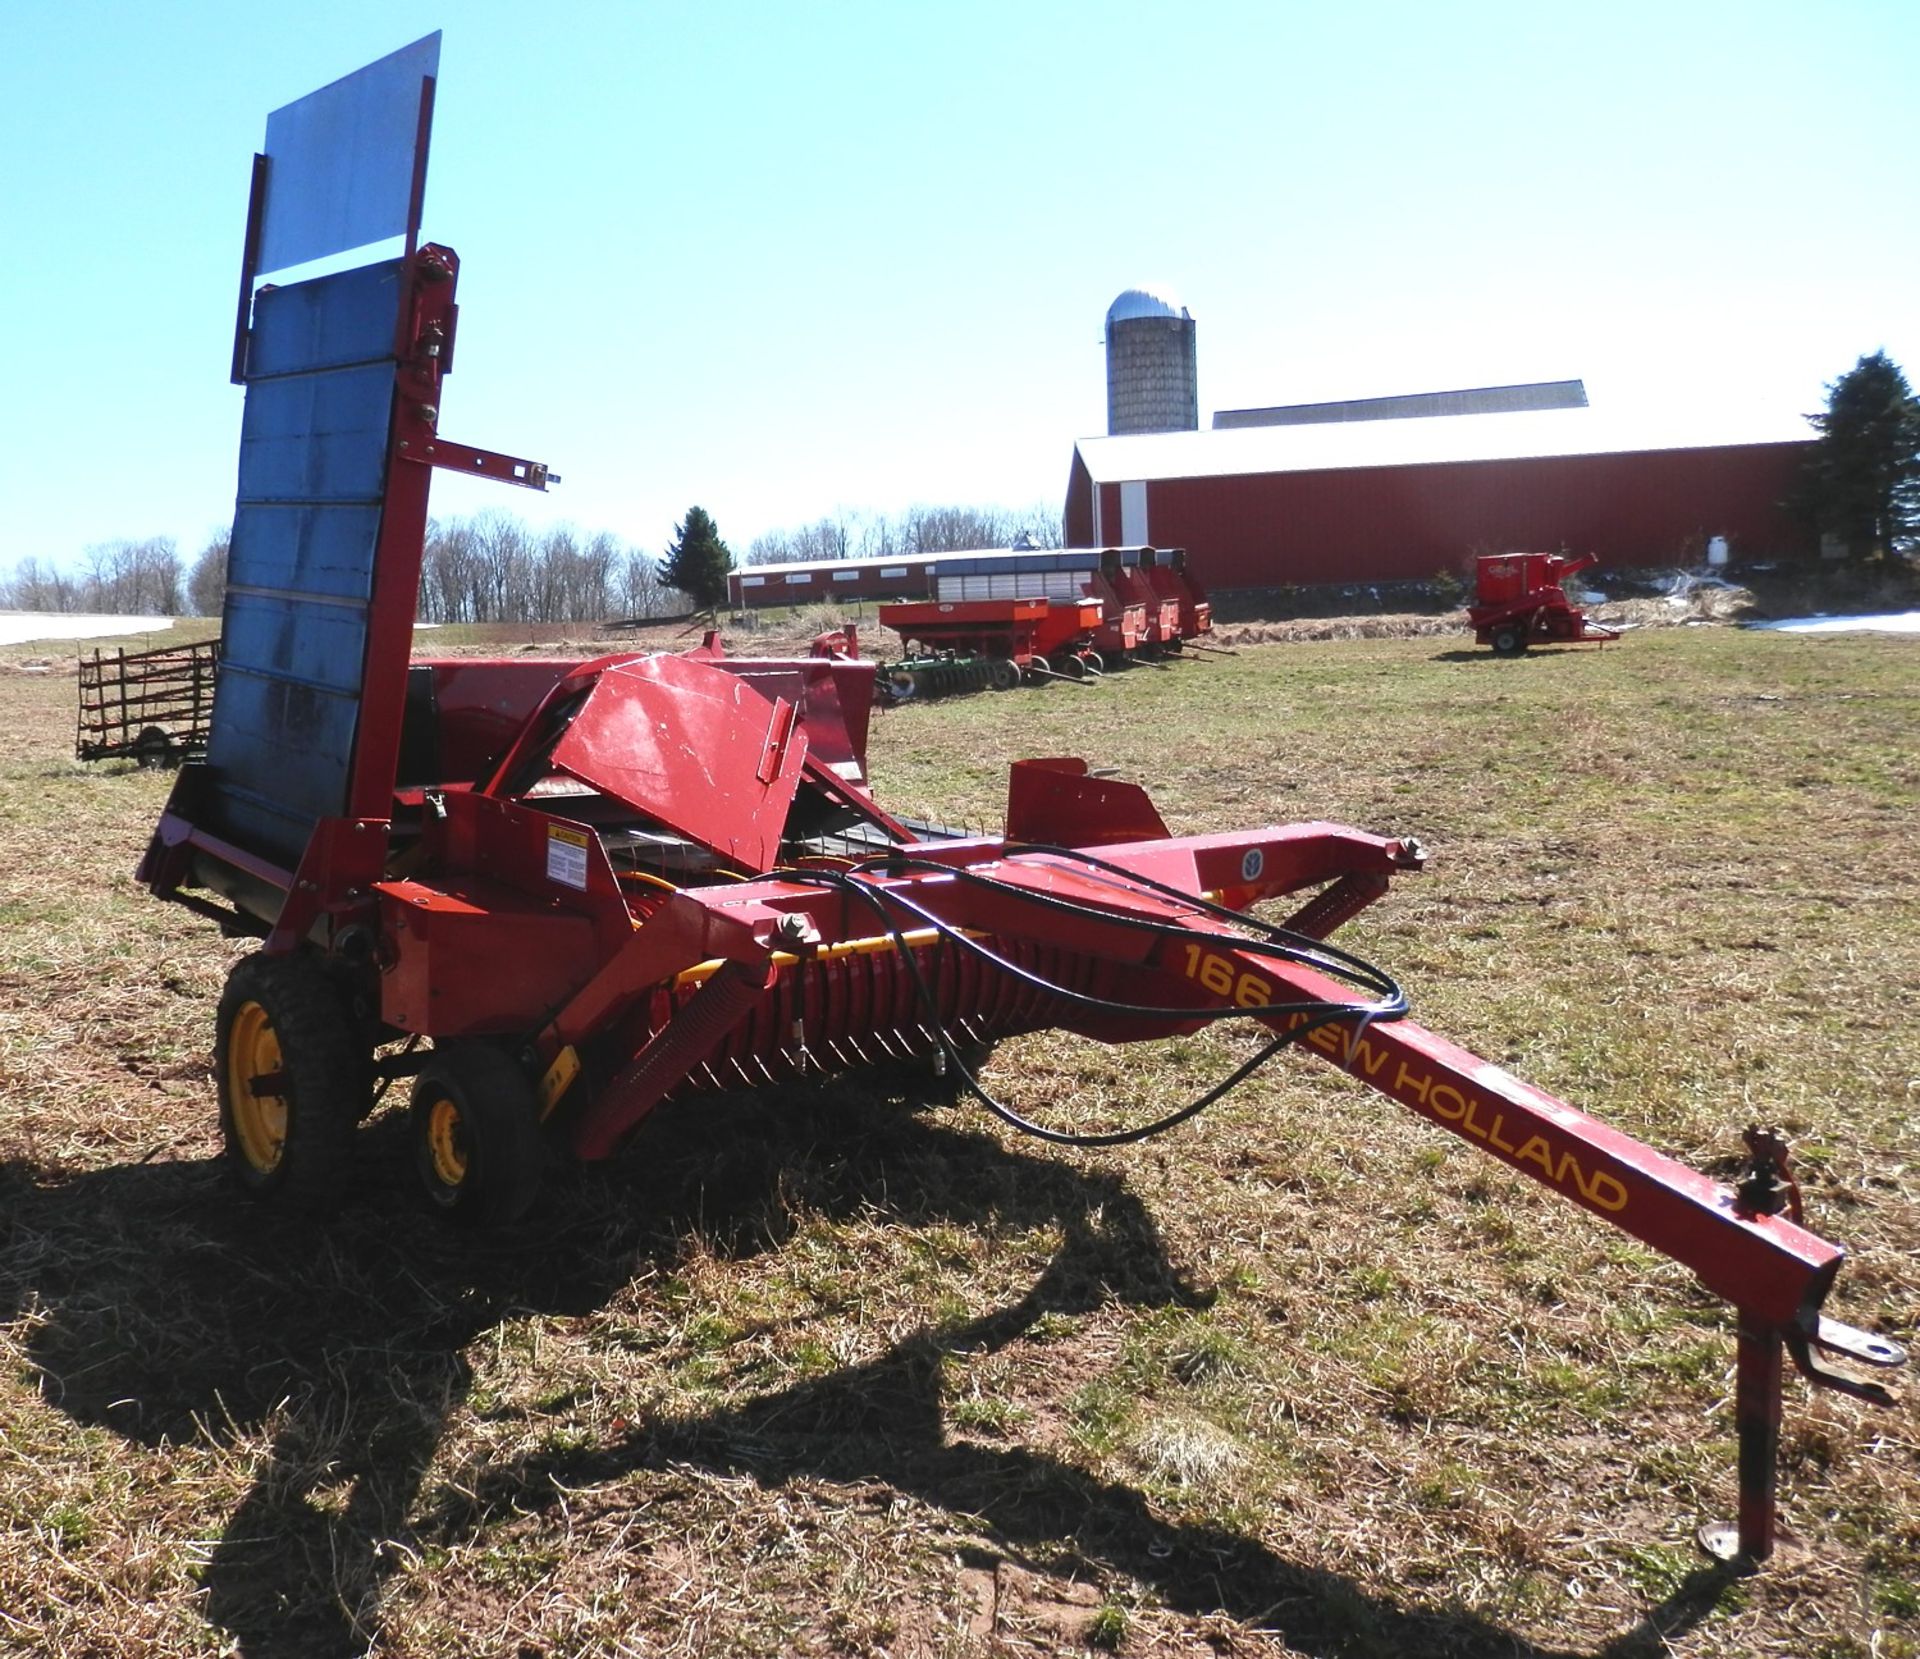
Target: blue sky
x,y
785,260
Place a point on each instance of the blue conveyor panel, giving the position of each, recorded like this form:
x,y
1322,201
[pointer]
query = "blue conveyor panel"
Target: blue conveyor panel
x,y
313,457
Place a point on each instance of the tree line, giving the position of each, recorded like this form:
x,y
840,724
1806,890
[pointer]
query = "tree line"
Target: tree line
x,y
117,578
857,535
487,568
492,567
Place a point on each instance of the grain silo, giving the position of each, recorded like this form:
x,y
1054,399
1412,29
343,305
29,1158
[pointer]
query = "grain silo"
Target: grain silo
x,y
1152,384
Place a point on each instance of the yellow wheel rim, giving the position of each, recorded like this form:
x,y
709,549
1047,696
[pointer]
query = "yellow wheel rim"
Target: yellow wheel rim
x,y
259,1120
447,1142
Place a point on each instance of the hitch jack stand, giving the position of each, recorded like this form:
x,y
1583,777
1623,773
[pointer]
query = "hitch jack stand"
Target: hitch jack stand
x,y
1756,1416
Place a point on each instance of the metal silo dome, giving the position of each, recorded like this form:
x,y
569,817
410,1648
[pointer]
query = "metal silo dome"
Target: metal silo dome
x,y
1152,378
1155,301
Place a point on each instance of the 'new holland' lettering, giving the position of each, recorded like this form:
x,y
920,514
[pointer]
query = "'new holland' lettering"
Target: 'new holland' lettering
x,y
1472,1114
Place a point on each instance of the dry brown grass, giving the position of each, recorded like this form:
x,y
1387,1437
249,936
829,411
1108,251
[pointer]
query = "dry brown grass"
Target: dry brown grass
x,y
836,1373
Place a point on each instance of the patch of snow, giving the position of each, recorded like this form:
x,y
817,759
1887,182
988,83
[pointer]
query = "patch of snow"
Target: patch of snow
x,y
1890,622
19,627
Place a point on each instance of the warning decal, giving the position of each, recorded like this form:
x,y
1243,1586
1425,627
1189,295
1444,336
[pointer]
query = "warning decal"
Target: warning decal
x,y
567,856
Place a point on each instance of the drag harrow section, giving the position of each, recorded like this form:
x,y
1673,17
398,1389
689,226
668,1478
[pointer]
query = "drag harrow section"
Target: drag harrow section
x,y
956,647
945,676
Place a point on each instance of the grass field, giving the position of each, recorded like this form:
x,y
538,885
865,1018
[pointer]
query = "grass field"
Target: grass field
x,y
842,1372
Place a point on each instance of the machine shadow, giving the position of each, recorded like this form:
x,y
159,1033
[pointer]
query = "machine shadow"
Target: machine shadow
x,y
168,1312
1482,654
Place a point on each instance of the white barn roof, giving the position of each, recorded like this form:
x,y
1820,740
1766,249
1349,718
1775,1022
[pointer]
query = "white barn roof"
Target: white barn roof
x,y
1227,452
968,558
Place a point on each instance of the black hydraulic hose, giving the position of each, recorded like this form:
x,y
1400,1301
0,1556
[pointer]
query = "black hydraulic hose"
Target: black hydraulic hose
x,y
1391,1006
1301,948
1281,944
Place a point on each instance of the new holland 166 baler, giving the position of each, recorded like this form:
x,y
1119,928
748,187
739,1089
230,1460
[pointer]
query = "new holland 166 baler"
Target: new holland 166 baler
x,y
555,895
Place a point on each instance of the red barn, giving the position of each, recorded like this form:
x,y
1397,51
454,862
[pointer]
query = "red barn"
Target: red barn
x,y
1399,500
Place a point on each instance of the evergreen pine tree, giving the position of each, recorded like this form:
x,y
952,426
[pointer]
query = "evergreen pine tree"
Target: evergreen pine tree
x,y
1862,479
698,561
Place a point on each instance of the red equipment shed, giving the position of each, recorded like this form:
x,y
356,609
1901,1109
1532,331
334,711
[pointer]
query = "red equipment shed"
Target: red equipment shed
x,y
1385,501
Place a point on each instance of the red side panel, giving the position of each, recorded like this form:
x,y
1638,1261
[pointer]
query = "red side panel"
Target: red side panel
x,y
918,619
480,704
535,956
1071,623
834,697
693,746
1057,802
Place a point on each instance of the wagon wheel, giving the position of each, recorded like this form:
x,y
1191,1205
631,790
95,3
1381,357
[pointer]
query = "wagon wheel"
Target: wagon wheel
x,y
1003,673
292,1076
476,1135
1509,641
153,747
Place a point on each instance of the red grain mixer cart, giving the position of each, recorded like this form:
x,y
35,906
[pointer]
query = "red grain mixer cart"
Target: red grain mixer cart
x,y
555,897
1519,601
1172,577
1161,611
1122,634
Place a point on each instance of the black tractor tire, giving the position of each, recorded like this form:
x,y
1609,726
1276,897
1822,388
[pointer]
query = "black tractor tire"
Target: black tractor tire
x,y
292,1074
476,1135
1509,641
1003,673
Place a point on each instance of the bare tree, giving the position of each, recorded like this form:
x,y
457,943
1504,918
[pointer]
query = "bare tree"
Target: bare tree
x,y
494,569
642,591
34,587
132,578
1040,525
774,548
207,581
447,579
505,569
593,592
821,542
853,535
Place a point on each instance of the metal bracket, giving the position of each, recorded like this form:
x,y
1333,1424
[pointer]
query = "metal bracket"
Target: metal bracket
x,y
1863,1347
479,463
